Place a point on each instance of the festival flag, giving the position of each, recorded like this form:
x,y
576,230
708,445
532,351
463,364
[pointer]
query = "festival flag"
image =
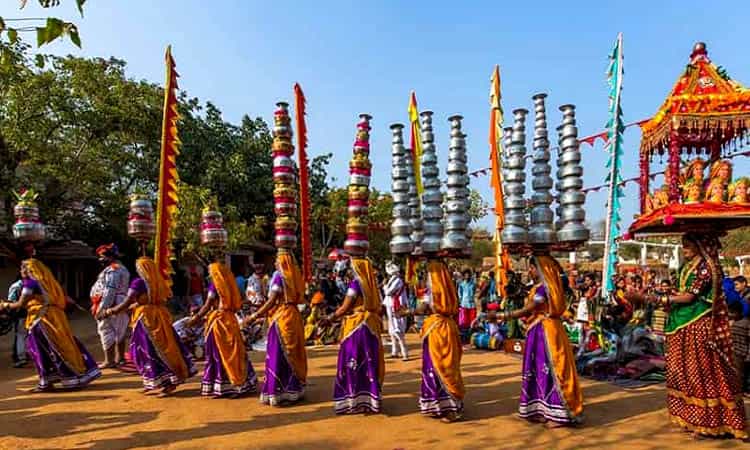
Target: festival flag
x,y
167,196
416,141
496,178
615,128
304,182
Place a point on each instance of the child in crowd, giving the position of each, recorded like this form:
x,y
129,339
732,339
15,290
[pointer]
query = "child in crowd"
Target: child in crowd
x,y
487,332
191,337
312,336
740,327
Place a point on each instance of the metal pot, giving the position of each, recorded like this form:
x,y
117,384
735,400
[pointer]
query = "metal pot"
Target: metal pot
x,y
571,183
401,227
432,228
542,183
430,172
455,206
542,216
283,161
431,212
285,240
572,214
571,170
359,180
515,176
457,167
572,198
401,245
570,157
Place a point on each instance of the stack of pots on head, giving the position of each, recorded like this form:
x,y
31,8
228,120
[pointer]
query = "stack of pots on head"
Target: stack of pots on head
x,y
457,195
357,243
213,233
432,198
28,227
141,219
401,227
284,180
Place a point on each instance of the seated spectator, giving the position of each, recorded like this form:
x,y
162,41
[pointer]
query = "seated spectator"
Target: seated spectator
x,y
743,294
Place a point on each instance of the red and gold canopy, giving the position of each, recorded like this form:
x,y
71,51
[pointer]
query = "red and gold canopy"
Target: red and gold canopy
x,y
704,111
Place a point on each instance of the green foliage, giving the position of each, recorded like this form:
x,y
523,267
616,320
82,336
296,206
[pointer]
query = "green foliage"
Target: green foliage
x,y
85,136
478,208
329,223
46,31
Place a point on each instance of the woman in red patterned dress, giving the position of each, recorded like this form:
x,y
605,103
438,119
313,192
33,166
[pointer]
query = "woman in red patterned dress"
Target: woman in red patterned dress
x,y
703,390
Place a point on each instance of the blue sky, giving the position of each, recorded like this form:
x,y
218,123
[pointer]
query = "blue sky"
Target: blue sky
x,y
353,57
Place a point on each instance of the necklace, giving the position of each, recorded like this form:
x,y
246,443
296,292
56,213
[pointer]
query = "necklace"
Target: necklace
x,y
685,273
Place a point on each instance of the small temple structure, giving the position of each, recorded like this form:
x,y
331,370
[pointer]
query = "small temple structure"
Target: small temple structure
x,y
705,116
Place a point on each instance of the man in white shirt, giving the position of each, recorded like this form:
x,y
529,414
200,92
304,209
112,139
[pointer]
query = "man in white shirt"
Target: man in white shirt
x,y
394,299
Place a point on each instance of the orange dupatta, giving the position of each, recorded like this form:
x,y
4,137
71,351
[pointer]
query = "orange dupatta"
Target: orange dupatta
x,y
223,324
288,318
369,311
56,325
155,316
558,344
441,331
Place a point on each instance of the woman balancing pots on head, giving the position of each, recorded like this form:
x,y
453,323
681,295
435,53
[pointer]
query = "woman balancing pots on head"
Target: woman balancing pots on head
x,y
550,391
704,392
58,356
228,371
286,359
157,352
361,364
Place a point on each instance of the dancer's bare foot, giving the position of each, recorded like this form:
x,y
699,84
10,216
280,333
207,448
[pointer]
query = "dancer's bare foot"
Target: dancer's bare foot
x,y
450,417
40,390
107,365
167,391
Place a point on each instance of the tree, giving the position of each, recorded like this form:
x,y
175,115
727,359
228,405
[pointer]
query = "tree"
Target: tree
x,y
478,208
86,136
46,30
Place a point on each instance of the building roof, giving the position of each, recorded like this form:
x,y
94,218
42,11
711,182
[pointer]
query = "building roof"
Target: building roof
x,y
705,107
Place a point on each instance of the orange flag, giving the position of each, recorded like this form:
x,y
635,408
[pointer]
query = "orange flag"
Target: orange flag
x,y
496,178
304,183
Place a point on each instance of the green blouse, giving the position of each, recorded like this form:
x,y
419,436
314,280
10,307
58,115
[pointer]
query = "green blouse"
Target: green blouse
x,y
695,278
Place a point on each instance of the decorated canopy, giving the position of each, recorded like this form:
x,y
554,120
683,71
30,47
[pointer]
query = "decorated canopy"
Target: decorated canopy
x,y
705,113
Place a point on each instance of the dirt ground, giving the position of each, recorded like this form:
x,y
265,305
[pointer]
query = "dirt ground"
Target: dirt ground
x,y
112,413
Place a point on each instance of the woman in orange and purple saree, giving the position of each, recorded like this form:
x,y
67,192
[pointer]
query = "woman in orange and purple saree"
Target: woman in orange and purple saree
x,y
157,352
361,363
58,356
442,384
228,371
550,390
704,393
286,359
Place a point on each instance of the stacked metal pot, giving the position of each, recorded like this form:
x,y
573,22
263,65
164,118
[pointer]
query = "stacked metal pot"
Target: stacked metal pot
x,y
457,194
571,198
141,219
541,229
415,204
213,233
514,182
432,198
28,227
357,242
401,228
284,180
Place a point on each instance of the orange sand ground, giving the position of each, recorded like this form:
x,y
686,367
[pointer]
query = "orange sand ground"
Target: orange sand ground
x,y
113,414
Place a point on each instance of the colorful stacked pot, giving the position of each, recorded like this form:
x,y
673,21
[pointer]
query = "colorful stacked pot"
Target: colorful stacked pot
x,y
360,169
213,233
141,219
27,227
284,180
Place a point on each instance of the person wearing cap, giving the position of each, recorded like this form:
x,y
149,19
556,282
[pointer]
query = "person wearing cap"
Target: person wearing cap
x,y
110,290
395,299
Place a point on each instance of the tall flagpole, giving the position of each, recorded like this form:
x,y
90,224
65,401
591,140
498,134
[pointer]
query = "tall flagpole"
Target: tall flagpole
x,y
615,128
